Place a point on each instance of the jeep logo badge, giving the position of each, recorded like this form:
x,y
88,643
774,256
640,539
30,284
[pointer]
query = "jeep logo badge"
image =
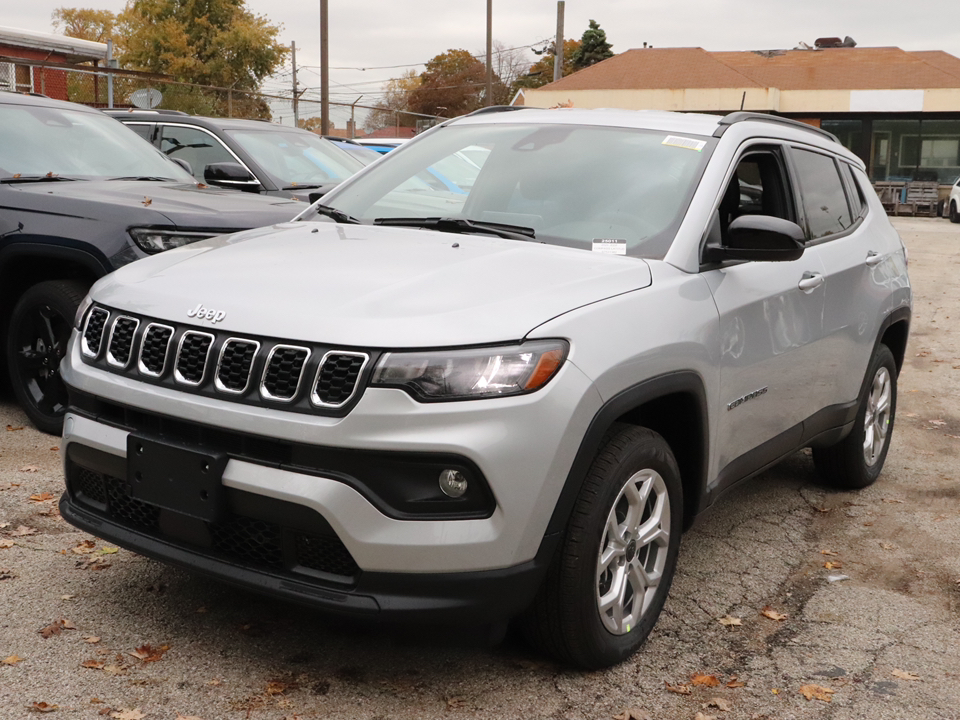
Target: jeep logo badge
x,y
202,313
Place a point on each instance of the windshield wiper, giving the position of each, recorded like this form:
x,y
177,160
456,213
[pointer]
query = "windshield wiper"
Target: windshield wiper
x,y
462,225
34,178
146,178
338,215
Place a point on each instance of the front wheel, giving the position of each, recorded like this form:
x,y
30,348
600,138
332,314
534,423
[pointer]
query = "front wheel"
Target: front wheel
x,y
36,343
611,575
856,461
954,213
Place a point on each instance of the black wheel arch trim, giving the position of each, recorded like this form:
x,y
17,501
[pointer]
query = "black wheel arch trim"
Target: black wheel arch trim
x,y
686,382
93,262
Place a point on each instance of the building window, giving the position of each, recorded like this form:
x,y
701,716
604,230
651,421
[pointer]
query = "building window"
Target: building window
x,y
16,78
904,150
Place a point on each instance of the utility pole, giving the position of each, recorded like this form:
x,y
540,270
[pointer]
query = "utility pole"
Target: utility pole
x,y
324,71
489,53
558,46
296,95
353,120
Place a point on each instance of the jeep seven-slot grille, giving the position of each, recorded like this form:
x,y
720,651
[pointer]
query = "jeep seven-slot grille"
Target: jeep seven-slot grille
x,y
93,334
153,351
121,340
306,378
281,379
236,361
337,378
192,357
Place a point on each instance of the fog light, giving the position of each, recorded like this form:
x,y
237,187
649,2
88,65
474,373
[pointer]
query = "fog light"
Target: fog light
x,y
453,483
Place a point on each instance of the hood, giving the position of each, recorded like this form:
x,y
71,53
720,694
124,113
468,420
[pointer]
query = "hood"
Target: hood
x,y
160,203
370,286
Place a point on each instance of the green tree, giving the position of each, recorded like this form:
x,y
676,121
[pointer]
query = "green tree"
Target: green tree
x,y
453,83
593,47
541,72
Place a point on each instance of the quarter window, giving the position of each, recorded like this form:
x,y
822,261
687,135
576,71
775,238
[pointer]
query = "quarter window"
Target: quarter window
x,y
824,201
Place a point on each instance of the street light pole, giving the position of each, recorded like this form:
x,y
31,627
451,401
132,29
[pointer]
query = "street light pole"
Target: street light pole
x,y
489,52
558,46
324,71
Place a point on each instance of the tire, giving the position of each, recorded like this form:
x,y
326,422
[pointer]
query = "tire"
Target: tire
x,y
36,343
575,616
856,461
954,214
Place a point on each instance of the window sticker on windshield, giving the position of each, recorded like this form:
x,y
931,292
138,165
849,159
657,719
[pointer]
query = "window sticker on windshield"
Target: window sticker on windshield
x,y
682,142
610,246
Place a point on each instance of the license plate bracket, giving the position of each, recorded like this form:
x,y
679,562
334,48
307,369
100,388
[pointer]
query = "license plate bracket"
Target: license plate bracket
x,y
176,477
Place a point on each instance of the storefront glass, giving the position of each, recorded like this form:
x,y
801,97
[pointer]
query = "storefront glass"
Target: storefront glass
x,y
902,150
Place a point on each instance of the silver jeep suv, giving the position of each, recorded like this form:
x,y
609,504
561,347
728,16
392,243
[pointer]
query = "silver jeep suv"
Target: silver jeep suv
x,y
501,397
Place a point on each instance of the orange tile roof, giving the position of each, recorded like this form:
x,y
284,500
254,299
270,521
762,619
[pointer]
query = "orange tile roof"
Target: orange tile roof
x,y
884,68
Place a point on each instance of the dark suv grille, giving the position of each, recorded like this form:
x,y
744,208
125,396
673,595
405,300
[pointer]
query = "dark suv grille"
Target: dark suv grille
x,y
153,351
281,379
307,378
192,357
93,333
258,543
121,341
337,378
236,361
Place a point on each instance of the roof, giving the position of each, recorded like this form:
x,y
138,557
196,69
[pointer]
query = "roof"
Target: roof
x,y
884,68
75,49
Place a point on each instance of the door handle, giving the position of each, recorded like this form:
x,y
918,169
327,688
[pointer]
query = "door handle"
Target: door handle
x,y
810,282
873,258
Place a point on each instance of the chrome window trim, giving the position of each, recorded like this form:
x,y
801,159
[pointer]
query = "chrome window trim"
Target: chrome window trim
x,y
216,377
84,347
206,361
162,124
111,360
143,369
314,398
264,393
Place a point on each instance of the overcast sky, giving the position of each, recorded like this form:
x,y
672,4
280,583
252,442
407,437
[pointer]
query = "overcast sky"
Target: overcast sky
x,y
375,33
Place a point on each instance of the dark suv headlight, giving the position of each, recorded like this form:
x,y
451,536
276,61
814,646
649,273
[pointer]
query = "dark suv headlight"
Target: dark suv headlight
x,y
154,241
473,372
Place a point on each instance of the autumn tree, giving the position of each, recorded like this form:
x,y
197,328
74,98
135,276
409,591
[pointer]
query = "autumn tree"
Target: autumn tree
x,y
453,83
85,23
593,47
541,72
396,99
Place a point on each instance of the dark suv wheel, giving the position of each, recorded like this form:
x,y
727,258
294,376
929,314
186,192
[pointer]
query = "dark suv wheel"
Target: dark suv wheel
x,y
36,343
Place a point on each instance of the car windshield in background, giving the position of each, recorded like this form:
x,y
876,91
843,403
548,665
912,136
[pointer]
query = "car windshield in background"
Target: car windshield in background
x,y
572,185
54,143
296,159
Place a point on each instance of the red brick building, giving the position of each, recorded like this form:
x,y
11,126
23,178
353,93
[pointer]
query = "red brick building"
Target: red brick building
x,y
30,47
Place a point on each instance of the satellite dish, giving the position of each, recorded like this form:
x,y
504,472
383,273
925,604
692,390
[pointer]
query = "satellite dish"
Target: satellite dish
x,y
146,98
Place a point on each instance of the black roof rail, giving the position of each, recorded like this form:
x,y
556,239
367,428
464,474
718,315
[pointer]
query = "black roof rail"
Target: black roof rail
x,y
741,116
497,109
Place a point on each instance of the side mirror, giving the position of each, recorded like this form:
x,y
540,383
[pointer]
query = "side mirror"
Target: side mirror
x,y
231,175
758,237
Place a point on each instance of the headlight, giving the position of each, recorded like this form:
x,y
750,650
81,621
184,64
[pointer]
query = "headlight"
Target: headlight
x,y
472,373
154,241
81,311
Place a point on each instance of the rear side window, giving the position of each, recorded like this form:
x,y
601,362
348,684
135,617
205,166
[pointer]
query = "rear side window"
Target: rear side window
x,y
824,201
857,201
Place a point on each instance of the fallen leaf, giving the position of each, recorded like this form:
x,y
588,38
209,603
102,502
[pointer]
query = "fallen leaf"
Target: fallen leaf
x,y
7,543
42,707
12,660
147,201
22,531
456,702
6,574
833,565
729,621
96,701
113,670
632,714
719,703
775,691
679,689
817,692
278,687
93,664
29,468
769,612
55,449
11,428
54,628
904,675
67,597
109,550
734,683
701,716
938,423
887,546
41,497
67,625
892,501
146,653
829,552
706,680
215,682
910,415
84,547
134,714
92,639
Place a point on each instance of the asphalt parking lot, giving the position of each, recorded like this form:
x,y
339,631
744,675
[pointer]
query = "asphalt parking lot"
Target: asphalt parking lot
x,y
791,601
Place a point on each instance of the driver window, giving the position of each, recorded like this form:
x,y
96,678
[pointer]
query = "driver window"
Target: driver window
x,y
756,188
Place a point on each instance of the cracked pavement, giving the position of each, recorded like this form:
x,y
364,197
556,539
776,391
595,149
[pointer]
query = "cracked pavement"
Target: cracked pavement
x,y
233,654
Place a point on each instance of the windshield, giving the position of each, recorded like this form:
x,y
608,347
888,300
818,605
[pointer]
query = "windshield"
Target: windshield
x,y
296,158
573,185
37,141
